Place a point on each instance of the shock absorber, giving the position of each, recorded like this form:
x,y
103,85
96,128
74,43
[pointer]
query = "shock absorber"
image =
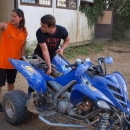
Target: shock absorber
x,y
103,122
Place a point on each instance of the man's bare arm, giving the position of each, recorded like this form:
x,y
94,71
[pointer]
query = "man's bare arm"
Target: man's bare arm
x,y
65,44
46,56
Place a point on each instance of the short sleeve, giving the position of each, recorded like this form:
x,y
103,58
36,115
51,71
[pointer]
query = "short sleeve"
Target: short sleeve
x,y
40,37
64,33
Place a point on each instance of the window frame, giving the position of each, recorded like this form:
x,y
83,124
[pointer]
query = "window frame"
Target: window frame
x,y
24,3
36,4
66,7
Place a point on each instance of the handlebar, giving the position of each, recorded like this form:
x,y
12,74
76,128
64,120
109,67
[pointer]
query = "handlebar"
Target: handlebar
x,y
75,64
105,60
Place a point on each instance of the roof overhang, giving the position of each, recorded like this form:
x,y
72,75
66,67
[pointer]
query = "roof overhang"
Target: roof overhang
x,y
91,1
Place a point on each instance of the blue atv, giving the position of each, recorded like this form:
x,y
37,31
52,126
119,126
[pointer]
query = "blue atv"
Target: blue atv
x,y
79,95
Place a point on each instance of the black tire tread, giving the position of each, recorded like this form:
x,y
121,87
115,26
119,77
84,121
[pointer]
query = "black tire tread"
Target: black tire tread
x,y
18,98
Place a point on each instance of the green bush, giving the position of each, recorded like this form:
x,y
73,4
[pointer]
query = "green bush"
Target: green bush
x,y
30,47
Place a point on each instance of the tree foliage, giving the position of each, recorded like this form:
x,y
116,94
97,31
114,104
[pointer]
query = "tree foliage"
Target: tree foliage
x,y
93,11
121,15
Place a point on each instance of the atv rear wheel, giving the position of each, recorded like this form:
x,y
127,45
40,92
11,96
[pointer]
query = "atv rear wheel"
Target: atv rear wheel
x,y
14,107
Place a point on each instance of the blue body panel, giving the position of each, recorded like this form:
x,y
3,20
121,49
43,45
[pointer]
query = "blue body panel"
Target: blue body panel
x,y
80,91
34,78
111,88
60,63
114,87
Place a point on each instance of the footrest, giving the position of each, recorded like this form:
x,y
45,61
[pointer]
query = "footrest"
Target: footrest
x,y
61,124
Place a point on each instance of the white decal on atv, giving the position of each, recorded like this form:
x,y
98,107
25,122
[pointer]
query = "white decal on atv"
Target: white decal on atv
x,y
92,88
30,69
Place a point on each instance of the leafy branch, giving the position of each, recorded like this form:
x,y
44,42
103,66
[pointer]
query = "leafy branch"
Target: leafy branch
x,y
93,12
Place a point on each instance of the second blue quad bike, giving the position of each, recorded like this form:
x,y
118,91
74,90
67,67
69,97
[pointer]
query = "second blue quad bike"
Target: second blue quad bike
x,y
79,95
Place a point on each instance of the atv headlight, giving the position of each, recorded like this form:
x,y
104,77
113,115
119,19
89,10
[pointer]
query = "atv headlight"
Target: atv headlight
x,y
109,60
103,105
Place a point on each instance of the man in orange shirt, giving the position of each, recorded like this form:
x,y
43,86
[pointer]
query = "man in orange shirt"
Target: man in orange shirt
x,y
12,45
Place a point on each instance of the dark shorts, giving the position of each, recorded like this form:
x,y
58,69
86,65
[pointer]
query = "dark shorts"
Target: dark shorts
x,y
8,75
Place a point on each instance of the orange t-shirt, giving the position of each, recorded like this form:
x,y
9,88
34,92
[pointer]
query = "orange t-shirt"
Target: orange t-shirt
x,y
11,42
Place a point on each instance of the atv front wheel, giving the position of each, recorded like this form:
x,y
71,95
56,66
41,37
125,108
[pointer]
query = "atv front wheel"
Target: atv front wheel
x,y
14,107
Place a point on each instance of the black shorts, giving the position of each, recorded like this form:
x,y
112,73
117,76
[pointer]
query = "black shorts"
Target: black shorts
x,y
8,75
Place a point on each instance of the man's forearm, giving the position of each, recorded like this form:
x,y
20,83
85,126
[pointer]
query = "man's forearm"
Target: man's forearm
x,y
47,58
65,43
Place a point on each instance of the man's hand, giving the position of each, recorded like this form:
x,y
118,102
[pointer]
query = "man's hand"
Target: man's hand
x,y
60,51
49,71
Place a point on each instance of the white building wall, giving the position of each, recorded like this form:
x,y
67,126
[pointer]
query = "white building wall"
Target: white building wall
x,y
73,20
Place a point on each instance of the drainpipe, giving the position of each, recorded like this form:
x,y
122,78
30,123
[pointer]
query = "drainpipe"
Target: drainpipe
x,y
77,32
54,6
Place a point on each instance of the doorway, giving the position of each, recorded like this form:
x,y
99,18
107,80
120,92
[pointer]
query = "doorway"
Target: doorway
x,y
103,30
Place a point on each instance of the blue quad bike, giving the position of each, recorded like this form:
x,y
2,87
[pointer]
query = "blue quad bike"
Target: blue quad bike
x,y
79,95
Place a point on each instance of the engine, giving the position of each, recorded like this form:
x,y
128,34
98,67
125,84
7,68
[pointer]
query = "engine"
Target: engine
x,y
64,105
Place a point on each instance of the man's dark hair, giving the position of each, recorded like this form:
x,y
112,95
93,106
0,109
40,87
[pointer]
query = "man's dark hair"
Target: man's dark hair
x,y
49,20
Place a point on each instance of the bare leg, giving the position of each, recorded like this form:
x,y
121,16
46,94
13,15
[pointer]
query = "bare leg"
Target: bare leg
x,y
0,90
0,93
1,109
10,87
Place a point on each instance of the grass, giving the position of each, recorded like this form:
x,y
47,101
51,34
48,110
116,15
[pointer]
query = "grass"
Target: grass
x,y
86,49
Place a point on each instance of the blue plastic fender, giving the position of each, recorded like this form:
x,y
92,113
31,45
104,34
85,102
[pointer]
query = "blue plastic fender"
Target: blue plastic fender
x,y
60,63
81,91
34,78
114,87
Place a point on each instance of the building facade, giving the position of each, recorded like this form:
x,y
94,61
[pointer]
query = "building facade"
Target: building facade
x,y
66,13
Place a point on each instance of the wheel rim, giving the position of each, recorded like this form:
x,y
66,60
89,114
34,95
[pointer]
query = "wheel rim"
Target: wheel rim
x,y
9,108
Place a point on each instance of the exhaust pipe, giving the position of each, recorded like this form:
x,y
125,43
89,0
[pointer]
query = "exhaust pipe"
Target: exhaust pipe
x,y
60,124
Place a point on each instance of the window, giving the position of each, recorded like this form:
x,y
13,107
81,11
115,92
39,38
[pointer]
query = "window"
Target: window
x,y
47,3
28,1
68,4
83,3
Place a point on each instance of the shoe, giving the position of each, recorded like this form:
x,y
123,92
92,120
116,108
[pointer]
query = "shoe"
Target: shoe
x,y
30,90
1,108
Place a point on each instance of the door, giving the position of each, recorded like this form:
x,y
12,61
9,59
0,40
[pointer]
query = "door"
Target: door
x,y
103,30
